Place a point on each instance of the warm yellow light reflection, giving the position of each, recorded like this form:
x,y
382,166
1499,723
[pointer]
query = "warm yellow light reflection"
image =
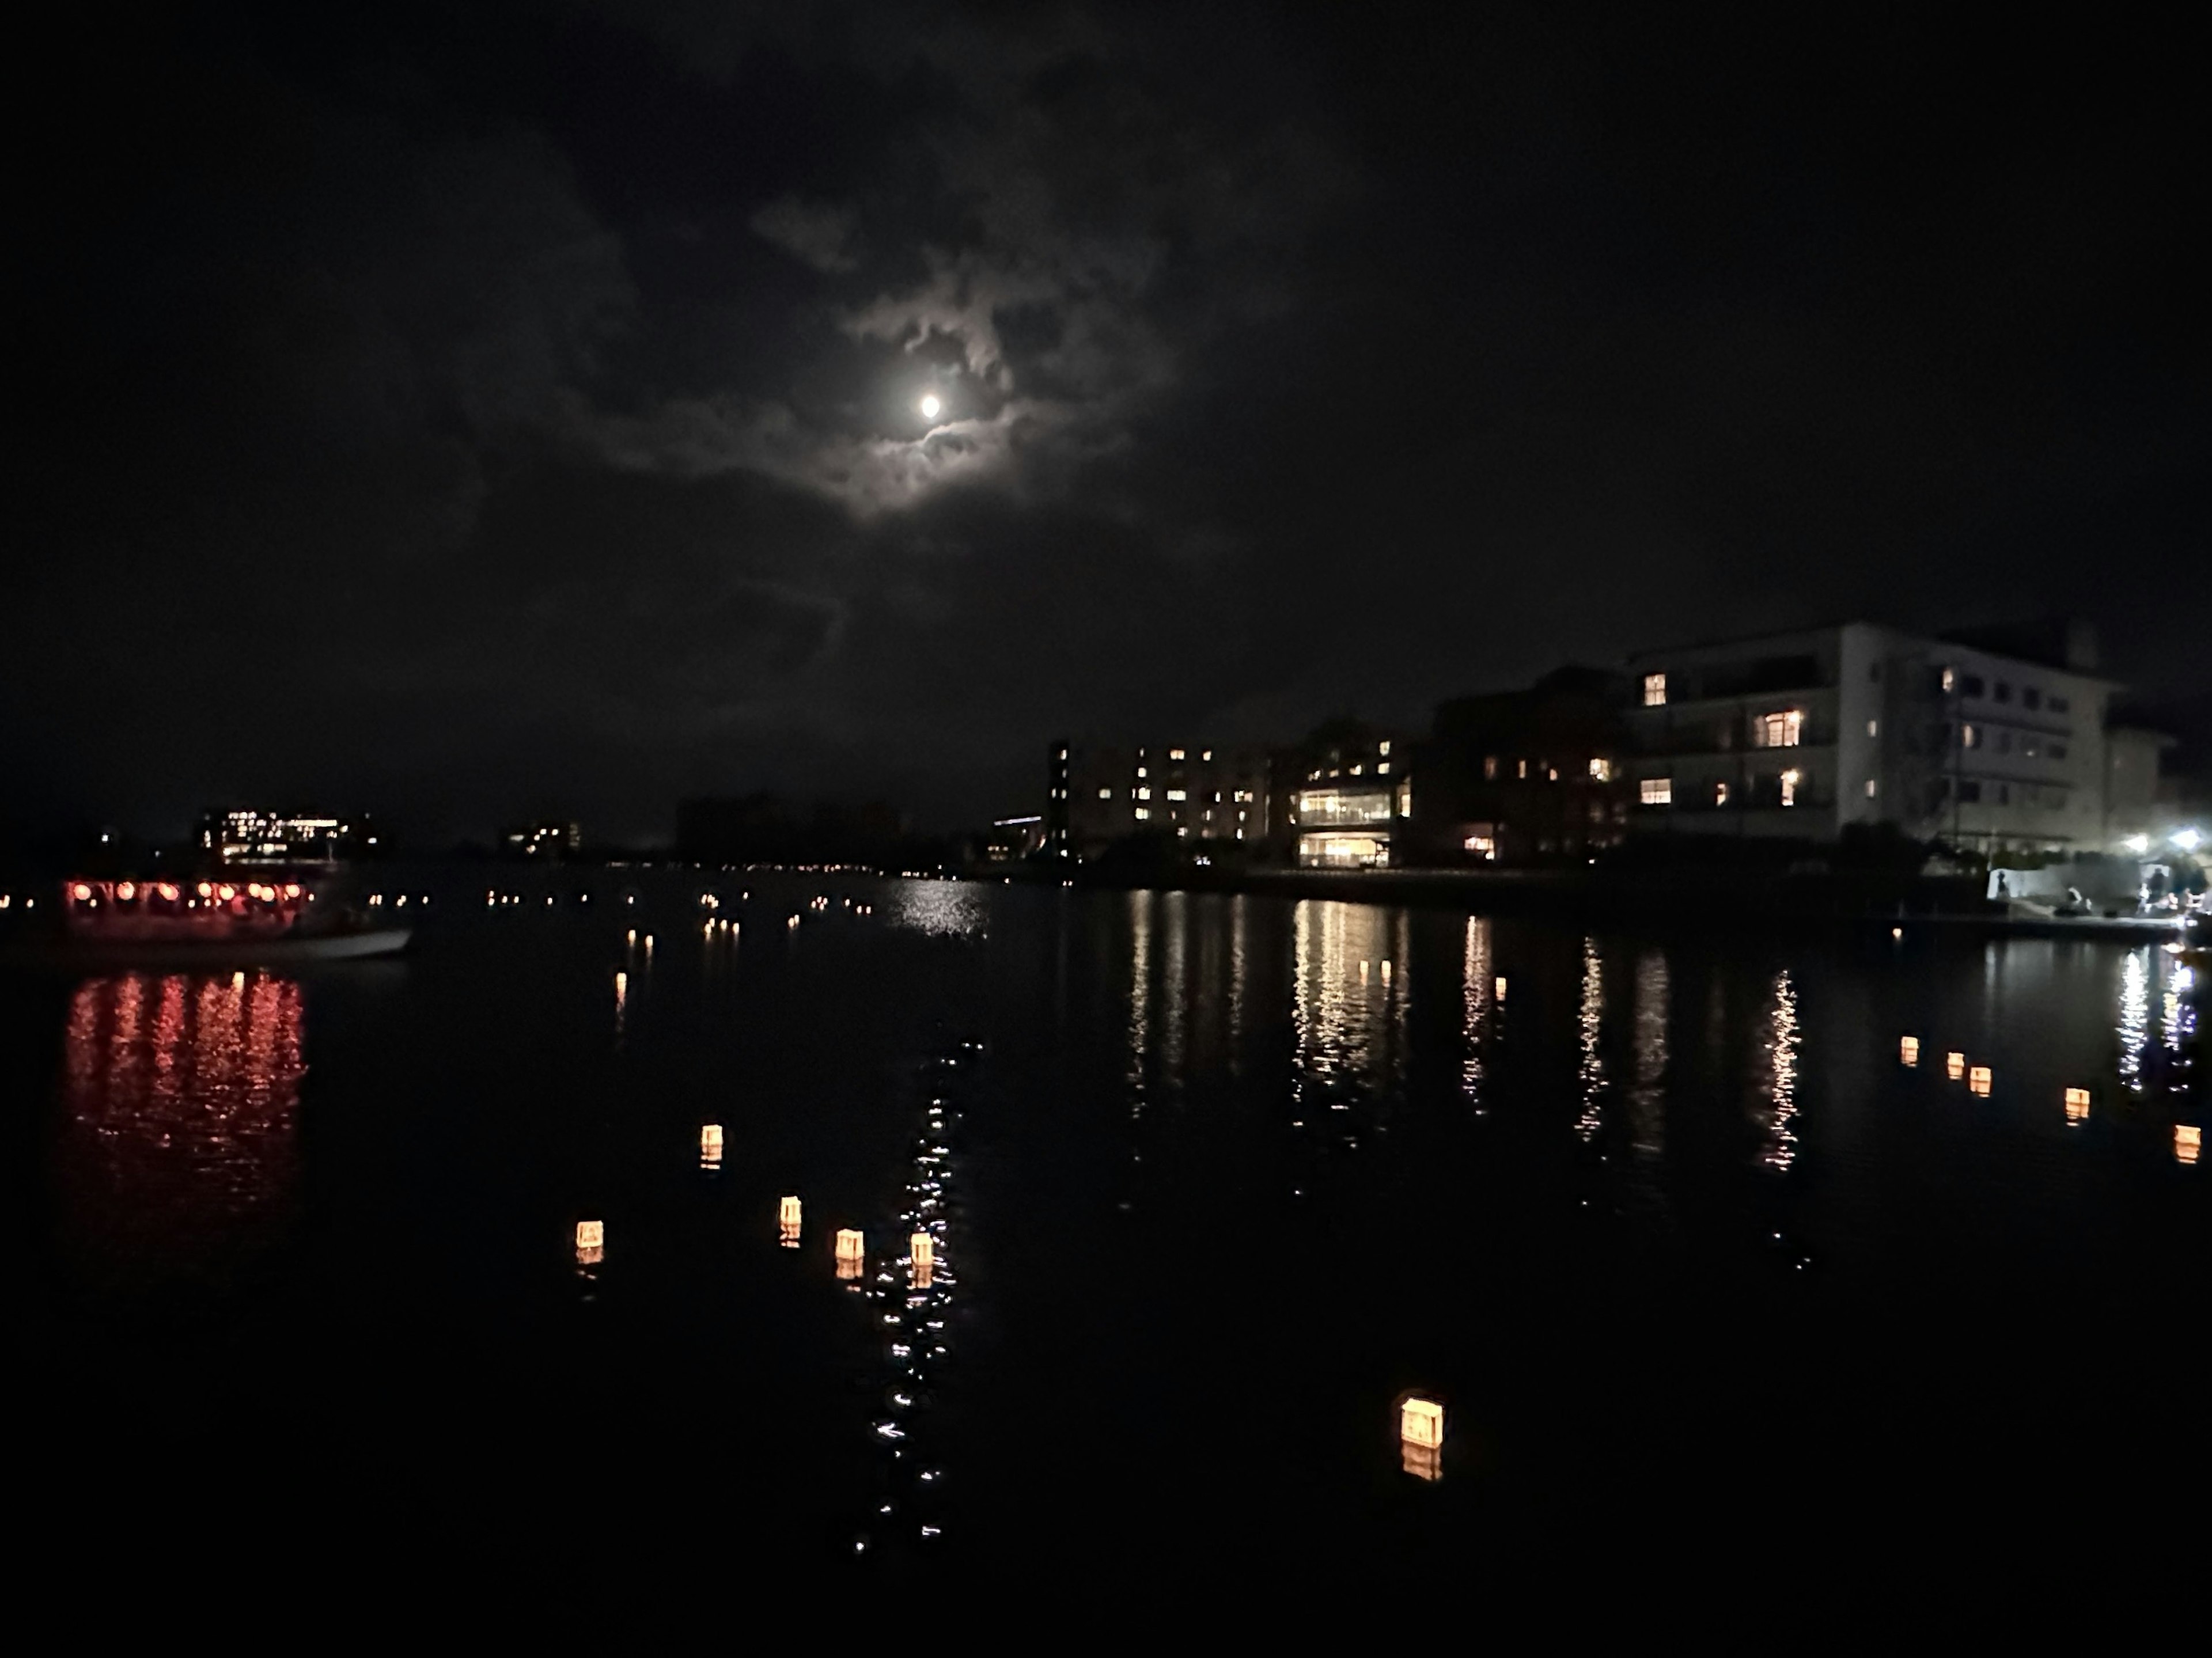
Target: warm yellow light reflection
x,y
2077,1105
1955,1065
591,1242
2188,1140
923,1248
852,1254
1908,1050
710,1146
787,1223
1422,1461
1500,986
1978,1079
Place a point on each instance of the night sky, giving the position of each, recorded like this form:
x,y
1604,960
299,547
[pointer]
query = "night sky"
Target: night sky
x,y
515,412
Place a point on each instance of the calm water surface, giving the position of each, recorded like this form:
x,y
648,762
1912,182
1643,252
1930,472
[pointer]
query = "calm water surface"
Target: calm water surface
x,y
1686,1249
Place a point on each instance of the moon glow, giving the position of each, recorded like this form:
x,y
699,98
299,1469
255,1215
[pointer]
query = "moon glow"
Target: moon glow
x,y
931,406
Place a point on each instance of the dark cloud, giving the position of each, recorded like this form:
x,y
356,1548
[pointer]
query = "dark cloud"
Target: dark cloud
x,y
469,412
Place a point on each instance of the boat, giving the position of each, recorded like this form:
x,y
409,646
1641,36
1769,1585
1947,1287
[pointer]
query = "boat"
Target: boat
x,y
214,921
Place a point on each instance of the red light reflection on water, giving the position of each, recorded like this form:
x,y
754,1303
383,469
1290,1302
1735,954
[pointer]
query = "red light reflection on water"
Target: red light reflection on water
x,y
178,1149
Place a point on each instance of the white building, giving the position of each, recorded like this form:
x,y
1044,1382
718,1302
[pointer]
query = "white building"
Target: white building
x,y
1804,734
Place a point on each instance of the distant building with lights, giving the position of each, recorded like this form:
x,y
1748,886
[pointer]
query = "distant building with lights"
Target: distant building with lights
x,y
547,840
1526,776
1013,839
1096,794
1992,740
1348,796
245,836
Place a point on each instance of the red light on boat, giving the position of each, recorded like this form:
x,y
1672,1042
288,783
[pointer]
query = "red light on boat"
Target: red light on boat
x,y
205,890
291,890
169,892
81,892
127,892
226,893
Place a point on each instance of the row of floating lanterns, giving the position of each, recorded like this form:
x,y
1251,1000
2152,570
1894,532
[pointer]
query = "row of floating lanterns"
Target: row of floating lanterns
x,y
1980,1079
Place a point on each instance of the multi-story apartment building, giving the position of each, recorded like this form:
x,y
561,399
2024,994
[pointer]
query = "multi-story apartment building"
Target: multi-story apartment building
x,y
1804,734
239,836
1099,793
1348,796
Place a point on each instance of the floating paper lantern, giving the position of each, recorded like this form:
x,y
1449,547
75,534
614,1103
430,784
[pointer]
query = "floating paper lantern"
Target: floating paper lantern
x,y
1421,1421
924,1250
1362,972
591,1242
710,1146
2077,1105
2188,1141
1499,987
787,1223
1386,970
1908,1050
1978,1079
851,1253
1955,1065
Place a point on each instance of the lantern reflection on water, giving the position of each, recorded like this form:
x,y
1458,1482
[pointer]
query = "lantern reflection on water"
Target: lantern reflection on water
x,y
1422,1461
1955,1065
852,1254
710,1146
787,1223
1500,986
2077,1105
1908,1050
591,1242
923,1248
2188,1141
1978,1080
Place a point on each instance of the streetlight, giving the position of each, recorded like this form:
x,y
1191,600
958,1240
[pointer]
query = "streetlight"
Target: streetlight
x,y
2138,844
2186,839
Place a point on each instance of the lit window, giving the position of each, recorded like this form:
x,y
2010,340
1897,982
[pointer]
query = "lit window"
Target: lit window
x,y
1601,770
1144,812
1382,767
1177,794
1174,754
1656,791
1871,788
1873,728
1240,818
1143,794
1206,754
1784,730
1382,748
1244,794
1552,773
1655,690
1182,831
1105,794
1524,768
1483,846
1489,766
1720,794
1141,772
1969,737
1063,754
1356,770
1790,779
1950,679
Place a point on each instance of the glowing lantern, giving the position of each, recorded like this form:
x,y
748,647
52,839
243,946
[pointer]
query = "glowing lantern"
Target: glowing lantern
x,y
2188,1140
81,892
1978,1080
1386,970
169,892
2077,1105
710,1146
205,890
591,1242
227,892
1908,1050
851,1253
127,892
1955,1065
1499,987
787,1223
292,890
1421,1429
1362,972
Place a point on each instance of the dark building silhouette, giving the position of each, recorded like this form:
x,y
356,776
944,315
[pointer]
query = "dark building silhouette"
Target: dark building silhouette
x,y
1525,777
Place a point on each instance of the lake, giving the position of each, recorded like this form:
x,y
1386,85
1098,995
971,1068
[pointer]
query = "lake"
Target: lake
x,y
1690,1256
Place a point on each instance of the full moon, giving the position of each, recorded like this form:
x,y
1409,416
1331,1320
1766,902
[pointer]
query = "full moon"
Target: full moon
x,y
930,406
